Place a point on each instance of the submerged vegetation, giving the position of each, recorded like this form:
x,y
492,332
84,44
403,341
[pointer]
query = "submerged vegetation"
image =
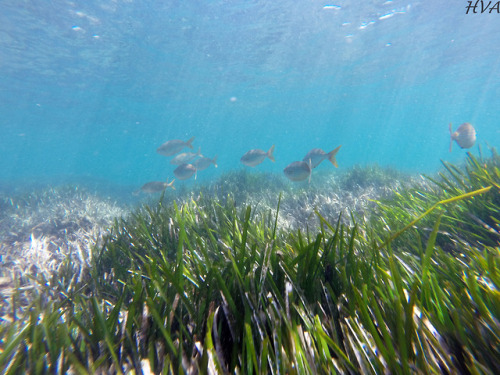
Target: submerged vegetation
x,y
214,285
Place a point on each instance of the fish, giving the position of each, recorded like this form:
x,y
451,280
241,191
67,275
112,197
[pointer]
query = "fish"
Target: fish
x,y
254,157
185,157
317,155
298,170
204,162
156,186
465,136
174,146
185,171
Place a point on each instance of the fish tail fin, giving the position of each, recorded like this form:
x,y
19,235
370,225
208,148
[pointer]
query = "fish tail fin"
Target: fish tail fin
x,y
171,184
188,143
214,160
331,156
270,153
451,137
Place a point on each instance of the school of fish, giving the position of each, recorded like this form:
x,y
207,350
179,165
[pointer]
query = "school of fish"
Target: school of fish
x,y
189,163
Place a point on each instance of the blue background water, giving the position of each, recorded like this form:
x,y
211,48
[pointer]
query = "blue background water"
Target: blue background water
x,y
90,89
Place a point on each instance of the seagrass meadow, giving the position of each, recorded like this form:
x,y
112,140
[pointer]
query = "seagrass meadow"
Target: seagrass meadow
x,y
217,283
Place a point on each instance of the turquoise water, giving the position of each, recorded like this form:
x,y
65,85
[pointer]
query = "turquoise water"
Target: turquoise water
x,y
89,90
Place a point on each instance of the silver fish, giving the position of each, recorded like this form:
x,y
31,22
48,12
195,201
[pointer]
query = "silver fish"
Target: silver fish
x,y
185,157
157,186
254,157
317,155
184,171
204,162
298,170
465,136
172,147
